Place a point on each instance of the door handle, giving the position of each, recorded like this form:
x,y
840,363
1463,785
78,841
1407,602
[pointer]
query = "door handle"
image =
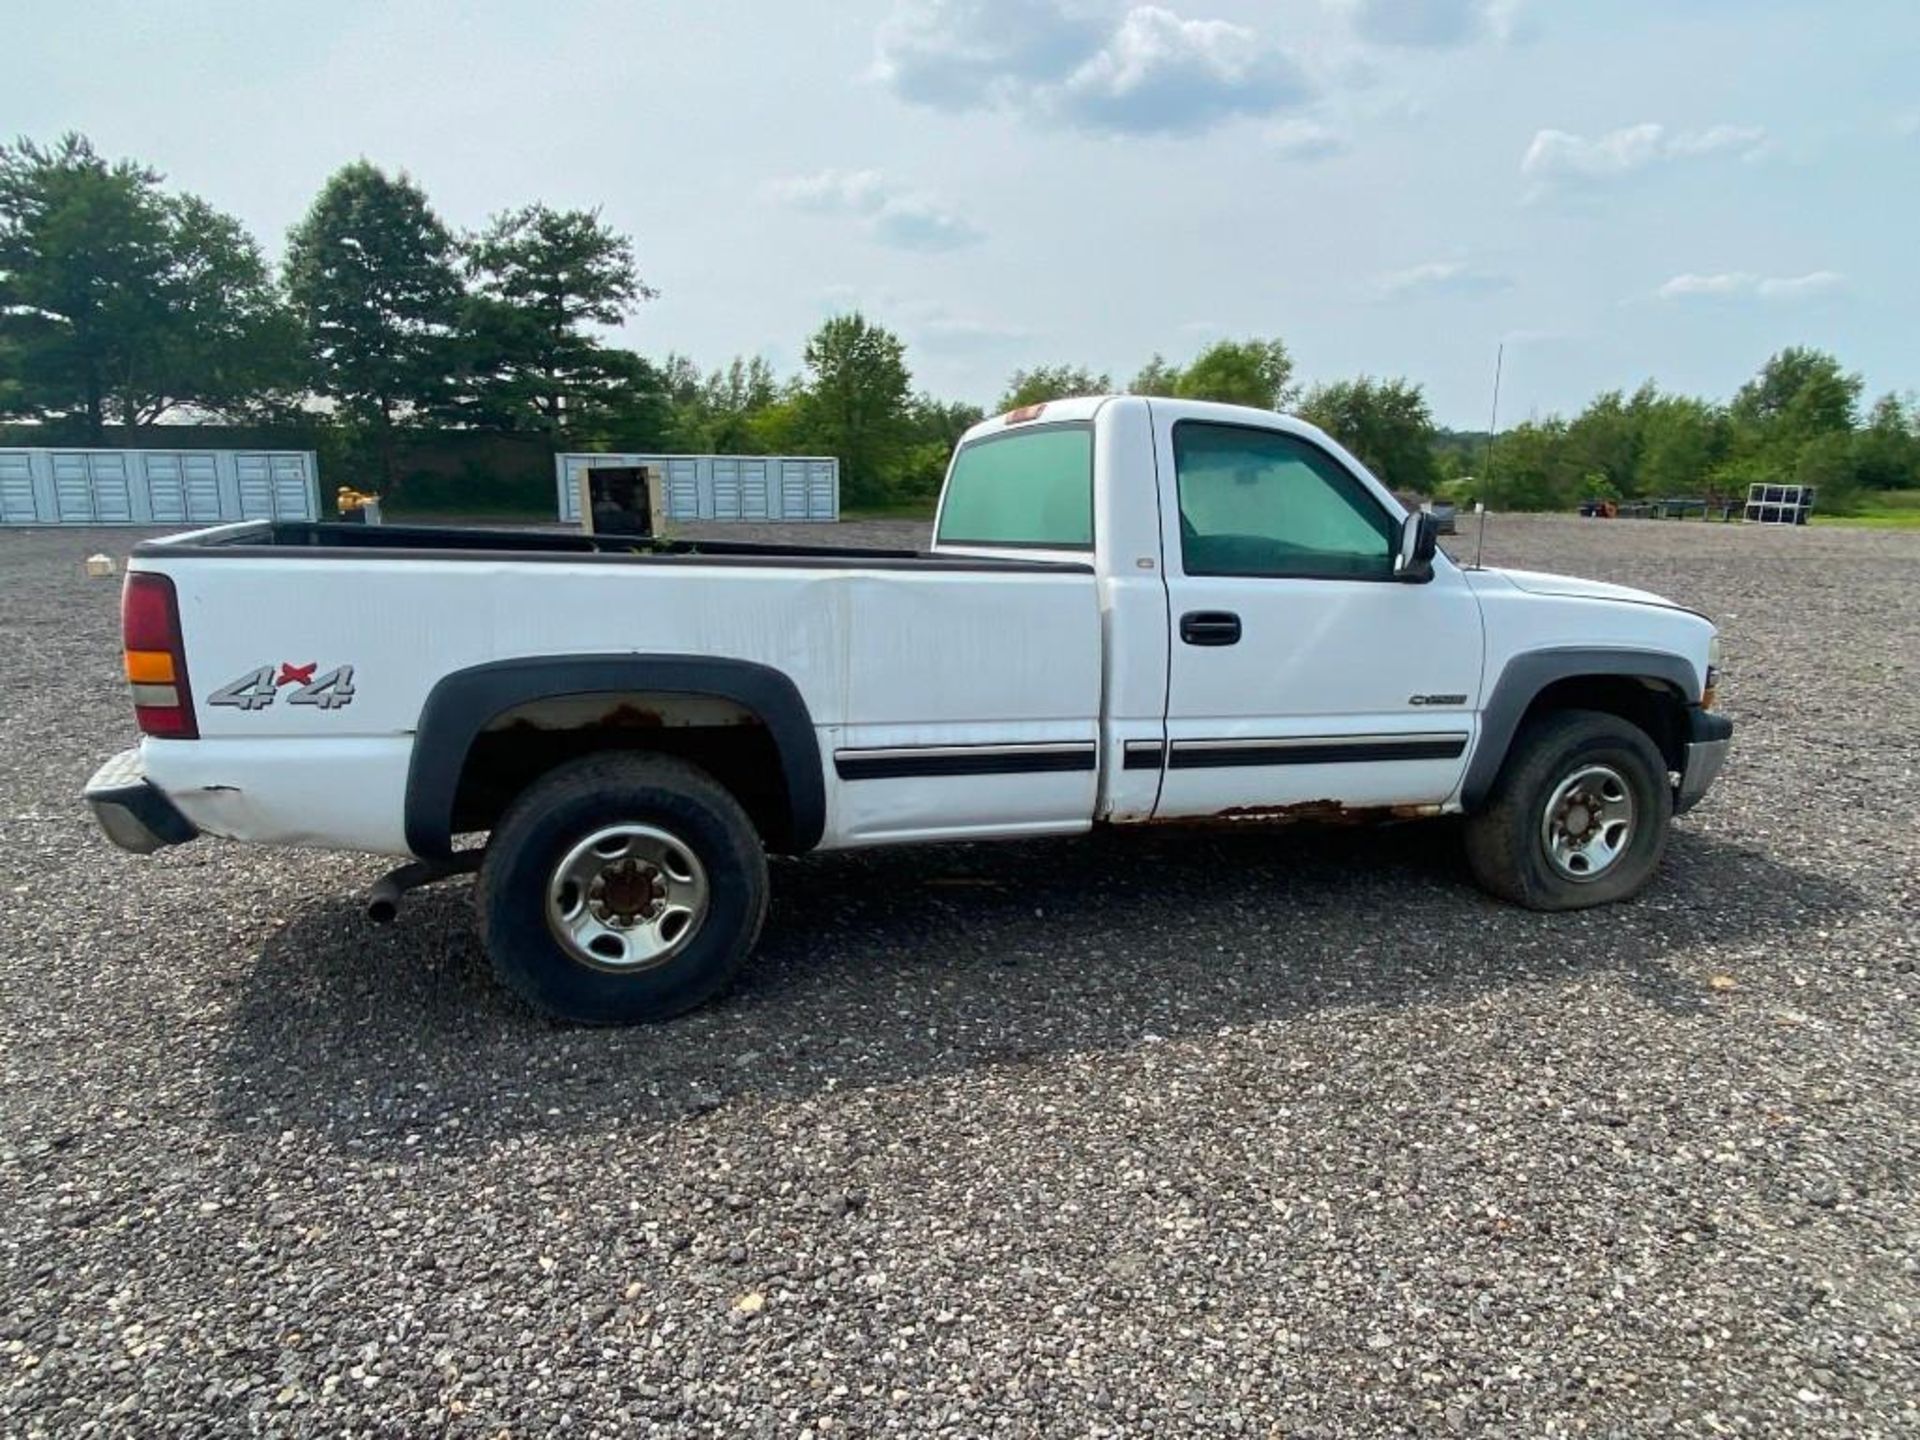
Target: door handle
x,y
1210,627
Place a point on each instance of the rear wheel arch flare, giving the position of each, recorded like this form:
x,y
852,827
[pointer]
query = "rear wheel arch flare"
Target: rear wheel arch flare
x,y
464,703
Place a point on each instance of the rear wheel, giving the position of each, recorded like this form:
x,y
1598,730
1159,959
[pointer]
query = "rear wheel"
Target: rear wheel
x,y
1578,817
620,889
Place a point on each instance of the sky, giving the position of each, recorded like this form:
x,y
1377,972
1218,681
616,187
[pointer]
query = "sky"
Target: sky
x,y
1614,190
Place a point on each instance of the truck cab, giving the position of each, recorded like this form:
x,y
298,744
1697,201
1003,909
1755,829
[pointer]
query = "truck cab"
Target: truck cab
x,y
1282,638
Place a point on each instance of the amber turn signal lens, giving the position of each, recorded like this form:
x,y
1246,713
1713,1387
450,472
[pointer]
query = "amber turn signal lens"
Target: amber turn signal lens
x,y
150,667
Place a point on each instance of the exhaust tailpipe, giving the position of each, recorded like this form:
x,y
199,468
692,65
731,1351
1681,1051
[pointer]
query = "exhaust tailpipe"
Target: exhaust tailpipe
x,y
383,899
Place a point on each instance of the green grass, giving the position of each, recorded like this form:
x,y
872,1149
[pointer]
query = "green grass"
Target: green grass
x,y
896,510
1880,510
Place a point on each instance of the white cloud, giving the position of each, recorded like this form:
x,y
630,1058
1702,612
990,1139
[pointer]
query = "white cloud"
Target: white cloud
x,y
833,192
1442,277
1741,285
1430,24
1159,73
1559,157
1152,72
1802,287
918,222
903,219
963,54
1306,140
1744,140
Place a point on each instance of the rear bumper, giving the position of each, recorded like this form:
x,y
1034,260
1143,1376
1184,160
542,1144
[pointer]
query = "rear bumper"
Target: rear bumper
x,y
1709,738
135,814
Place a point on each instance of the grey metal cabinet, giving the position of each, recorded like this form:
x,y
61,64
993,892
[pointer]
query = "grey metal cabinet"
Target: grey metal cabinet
x,y
62,486
721,487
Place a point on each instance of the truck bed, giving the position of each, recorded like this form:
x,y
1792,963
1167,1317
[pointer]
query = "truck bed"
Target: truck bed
x,y
297,539
904,661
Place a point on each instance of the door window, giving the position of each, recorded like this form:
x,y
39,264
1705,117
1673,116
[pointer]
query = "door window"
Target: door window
x,y
1264,503
1023,488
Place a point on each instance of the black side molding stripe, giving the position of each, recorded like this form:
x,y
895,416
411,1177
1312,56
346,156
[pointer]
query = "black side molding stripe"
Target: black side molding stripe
x,y
958,760
1202,756
1143,755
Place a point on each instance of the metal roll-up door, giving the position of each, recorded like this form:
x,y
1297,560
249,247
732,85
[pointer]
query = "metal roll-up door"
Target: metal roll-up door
x,y
200,474
112,495
256,487
290,491
753,489
683,489
72,489
726,489
166,486
793,490
18,505
820,497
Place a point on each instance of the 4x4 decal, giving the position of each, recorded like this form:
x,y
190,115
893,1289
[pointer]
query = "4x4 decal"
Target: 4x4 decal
x,y
257,689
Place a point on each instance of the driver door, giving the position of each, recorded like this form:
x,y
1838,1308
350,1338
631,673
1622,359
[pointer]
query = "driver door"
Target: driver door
x,y
1302,673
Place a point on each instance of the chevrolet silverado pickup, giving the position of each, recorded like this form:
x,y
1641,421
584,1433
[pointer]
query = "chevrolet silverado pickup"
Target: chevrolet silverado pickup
x,y
1134,611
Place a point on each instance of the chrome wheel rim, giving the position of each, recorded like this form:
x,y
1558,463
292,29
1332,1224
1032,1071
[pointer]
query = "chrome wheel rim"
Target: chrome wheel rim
x,y
627,898
1588,823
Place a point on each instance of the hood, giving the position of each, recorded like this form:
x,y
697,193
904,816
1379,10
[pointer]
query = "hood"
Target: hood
x,y
1538,582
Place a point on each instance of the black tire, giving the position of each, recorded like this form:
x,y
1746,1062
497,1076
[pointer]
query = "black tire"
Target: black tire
x,y
559,811
1506,848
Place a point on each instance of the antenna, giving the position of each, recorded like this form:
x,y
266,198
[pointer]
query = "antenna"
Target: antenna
x,y
1493,426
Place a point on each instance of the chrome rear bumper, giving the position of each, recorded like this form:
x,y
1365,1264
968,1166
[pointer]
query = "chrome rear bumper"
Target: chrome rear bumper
x,y
135,814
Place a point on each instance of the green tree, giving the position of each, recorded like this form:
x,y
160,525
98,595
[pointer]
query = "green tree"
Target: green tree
x,y
934,427
1887,449
229,346
1385,422
1241,372
721,413
539,278
371,274
1827,463
1052,382
1530,469
120,301
1798,394
1156,377
853,403
1605,440
1684,442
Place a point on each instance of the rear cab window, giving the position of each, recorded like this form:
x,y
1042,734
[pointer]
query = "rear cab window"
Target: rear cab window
x,y
1025,489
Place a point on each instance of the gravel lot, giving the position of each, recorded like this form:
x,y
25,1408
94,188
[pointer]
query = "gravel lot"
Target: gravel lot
x,y
1279,1134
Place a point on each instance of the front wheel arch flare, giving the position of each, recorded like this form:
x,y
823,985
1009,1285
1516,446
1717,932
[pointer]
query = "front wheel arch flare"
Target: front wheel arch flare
x,y
1529,675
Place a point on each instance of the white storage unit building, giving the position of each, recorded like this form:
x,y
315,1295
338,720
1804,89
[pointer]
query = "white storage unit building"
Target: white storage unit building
x,y
721,487
54,486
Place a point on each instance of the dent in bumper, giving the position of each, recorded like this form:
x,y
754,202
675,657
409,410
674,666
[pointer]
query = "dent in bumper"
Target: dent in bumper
x,y
135,814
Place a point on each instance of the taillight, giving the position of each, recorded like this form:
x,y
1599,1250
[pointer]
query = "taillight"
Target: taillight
x,y
156,659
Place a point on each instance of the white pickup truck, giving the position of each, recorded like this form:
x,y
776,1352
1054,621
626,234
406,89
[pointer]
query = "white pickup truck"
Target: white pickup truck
x,y
1134,611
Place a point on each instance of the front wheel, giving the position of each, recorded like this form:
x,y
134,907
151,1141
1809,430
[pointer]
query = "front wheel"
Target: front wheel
x,y
1578,817
621,888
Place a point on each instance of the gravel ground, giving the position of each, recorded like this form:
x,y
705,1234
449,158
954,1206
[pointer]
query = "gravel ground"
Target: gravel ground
x,y
1266,1134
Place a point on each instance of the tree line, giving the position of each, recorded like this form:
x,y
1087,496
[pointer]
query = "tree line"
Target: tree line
x,y
125,303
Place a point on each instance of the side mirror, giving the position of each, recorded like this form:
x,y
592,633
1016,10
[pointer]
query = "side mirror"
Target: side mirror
x,y
1419,542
